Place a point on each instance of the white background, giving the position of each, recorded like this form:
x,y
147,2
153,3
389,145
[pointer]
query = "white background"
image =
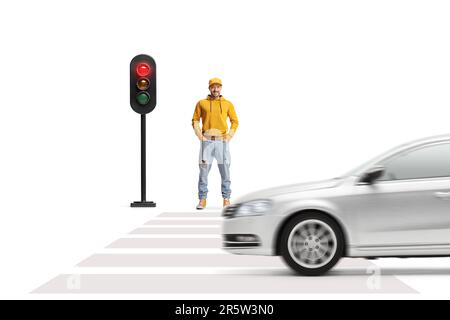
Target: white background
x,y
318,86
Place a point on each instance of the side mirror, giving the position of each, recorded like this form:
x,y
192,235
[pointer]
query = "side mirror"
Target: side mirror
x,y
372,175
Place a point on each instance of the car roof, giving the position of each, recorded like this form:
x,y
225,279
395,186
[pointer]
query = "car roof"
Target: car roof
x,y
400,148
432,139
416,143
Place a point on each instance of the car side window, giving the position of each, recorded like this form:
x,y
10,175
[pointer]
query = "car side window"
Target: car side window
x,y
431,161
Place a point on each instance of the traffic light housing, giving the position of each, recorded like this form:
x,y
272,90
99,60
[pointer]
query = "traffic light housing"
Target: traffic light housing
x,y
143,84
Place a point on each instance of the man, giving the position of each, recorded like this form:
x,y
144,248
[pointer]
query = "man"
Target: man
x,y
214,139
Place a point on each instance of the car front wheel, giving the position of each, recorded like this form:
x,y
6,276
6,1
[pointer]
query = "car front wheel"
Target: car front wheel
x,y
311,244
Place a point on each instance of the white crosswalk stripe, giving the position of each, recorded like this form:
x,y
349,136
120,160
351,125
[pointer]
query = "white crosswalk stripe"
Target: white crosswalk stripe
x,y
180,226
172,236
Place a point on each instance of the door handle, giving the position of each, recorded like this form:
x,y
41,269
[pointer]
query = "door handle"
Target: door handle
x,y
442,195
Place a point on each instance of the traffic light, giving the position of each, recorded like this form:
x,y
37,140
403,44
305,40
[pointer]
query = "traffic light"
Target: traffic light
x,y
143,101
143,84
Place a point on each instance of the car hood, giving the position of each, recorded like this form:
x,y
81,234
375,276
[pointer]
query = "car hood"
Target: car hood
x,y
298,187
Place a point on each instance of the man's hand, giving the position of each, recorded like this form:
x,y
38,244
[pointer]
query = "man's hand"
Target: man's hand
x,y
228,137
198,131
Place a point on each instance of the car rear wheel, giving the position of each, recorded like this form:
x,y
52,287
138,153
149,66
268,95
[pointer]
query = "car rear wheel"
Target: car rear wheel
x,y
311,244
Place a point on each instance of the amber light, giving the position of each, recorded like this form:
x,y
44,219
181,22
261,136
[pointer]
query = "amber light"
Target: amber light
x,y
143,84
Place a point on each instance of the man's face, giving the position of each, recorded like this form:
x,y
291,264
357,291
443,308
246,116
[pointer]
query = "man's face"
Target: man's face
x,y
215,90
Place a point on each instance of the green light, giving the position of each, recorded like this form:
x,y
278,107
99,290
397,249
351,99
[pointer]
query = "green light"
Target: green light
x,y
143,98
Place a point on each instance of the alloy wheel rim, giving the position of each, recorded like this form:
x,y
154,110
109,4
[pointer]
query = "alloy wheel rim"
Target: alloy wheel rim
x,y
312,244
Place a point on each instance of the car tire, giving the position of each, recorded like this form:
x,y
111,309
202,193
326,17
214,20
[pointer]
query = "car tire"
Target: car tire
x,y
311,243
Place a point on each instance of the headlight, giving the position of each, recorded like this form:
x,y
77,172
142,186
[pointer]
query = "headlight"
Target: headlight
x,y
254,208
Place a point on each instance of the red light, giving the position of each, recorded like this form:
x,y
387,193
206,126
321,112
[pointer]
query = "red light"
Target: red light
x,y
143,69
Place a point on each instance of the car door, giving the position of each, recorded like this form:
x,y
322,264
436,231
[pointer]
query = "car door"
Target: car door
x,y
409,206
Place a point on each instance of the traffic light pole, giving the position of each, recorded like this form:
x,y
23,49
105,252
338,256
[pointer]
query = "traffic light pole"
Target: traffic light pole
x,y
143,159
143,202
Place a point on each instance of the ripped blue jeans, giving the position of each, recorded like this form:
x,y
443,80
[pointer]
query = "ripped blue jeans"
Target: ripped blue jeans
x,y
220,150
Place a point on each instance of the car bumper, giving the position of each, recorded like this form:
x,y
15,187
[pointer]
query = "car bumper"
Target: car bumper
x,y
250,235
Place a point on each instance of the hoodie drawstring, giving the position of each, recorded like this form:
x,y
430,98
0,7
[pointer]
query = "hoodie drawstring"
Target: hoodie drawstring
x,y
210,110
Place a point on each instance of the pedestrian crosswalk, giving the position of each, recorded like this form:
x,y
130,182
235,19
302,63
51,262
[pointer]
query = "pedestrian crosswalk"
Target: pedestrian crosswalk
x,y
180,252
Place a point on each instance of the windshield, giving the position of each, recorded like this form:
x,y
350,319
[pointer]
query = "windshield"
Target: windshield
x,y
374,160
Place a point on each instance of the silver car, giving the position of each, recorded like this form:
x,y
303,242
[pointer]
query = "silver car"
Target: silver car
x,y
396,205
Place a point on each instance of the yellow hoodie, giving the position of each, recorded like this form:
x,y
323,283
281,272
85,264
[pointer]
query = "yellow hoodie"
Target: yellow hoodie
x,y
214,114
